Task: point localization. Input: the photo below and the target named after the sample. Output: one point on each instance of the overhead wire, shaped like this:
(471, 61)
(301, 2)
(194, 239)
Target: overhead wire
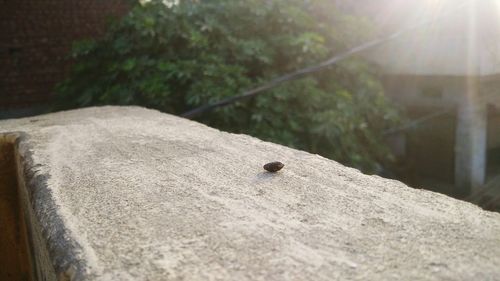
(325, 64)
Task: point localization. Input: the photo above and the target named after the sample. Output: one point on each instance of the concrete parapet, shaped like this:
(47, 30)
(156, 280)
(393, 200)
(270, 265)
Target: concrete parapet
(126, 193)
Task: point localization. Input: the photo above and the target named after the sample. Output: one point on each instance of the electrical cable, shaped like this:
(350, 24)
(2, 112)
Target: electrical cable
(305, 71)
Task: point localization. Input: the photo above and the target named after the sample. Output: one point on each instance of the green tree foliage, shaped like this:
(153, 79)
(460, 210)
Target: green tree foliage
(200, 51)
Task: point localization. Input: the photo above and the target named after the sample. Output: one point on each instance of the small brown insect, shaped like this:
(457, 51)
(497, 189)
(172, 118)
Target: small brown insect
(273, 167)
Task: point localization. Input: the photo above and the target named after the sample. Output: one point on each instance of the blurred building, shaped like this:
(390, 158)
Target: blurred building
(446, 71)
(35, 40)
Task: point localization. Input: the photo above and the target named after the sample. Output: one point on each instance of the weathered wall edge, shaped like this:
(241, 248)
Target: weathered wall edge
(53, 249)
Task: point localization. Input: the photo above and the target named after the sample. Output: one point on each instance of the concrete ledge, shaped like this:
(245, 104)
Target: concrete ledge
(125, 193)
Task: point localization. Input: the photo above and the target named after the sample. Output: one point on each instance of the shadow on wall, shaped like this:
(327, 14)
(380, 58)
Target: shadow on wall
(15, 261)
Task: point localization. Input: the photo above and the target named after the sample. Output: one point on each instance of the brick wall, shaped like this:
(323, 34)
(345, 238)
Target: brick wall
(35, 38)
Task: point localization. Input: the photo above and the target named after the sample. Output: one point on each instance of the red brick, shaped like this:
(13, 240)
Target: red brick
(36, 36)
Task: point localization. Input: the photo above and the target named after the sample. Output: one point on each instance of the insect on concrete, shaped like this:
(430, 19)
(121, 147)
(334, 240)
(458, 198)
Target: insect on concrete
(273, 167)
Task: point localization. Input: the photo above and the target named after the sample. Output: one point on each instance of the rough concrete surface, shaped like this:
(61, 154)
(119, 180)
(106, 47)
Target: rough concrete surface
(134, 194)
